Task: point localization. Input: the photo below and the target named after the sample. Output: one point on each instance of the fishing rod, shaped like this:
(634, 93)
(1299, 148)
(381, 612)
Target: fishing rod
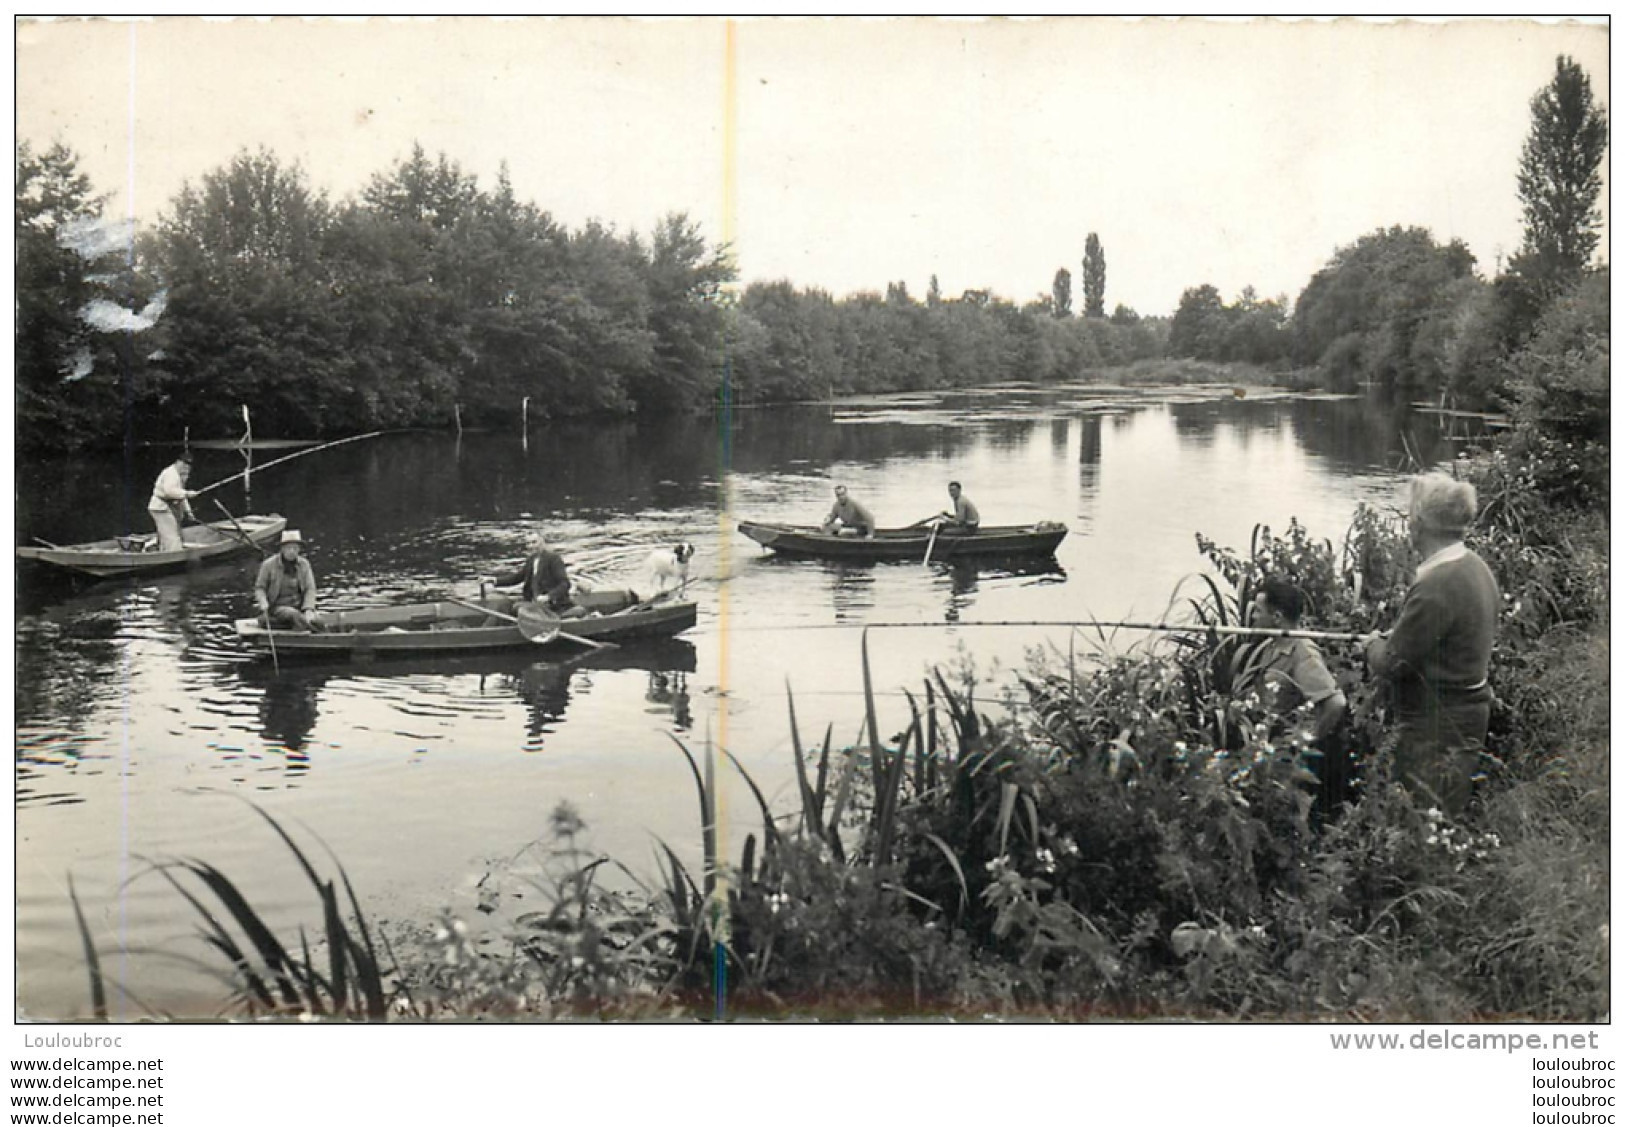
(289, 458)
(1170, 627)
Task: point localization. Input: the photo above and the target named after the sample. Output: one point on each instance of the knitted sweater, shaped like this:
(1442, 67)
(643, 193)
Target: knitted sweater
(1445, 629)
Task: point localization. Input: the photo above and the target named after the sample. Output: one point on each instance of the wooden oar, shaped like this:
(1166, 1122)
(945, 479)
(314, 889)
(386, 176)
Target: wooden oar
(536, 625)
(245, 537)
(270, 630)
(931, 543)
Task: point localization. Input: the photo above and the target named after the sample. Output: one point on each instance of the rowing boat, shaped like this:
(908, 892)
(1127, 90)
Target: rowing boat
(137, 553)
(653, 655)
(1039, 539)
(459, 626)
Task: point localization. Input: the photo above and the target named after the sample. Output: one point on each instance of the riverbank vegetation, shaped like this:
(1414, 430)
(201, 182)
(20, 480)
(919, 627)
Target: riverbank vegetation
(1112, 835)
(430, 300)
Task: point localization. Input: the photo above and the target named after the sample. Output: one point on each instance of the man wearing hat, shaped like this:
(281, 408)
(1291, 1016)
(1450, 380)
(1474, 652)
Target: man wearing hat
(1437, 656)
(172, 502)
(285, 589)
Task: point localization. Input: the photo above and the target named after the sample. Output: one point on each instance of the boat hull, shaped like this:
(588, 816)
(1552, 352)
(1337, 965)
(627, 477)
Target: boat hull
(124, 555)
(445, 627)
(908, 543)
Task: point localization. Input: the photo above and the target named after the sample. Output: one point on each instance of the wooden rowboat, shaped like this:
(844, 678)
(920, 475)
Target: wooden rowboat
(138, 554)
(1039, 539)
(456, 626)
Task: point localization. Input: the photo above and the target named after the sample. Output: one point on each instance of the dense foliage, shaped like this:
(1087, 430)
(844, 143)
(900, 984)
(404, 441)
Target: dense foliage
(429, 296)
(1249, 331)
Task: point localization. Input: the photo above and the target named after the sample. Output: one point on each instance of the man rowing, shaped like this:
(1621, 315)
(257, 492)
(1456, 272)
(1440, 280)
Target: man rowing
(964, 517)
(848, 518)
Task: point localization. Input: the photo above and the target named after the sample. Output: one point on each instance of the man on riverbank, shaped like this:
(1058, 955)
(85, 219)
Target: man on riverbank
(171, 502)
(964, 517)
(848, 518)
(285, 588)
(1437, 657)
(1287, 673)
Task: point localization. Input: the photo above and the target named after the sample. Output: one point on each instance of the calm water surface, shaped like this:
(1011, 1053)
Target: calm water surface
(142, 745)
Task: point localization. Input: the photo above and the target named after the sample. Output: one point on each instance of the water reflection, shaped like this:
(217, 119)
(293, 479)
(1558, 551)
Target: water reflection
(289, 698)
(287, 714)
(966, 578)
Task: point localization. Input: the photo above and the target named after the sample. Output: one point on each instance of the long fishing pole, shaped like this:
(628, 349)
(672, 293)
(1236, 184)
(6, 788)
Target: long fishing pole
(1081, 624)
(291, 457)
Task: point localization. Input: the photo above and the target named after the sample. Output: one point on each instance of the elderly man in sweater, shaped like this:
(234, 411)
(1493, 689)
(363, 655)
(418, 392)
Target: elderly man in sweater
(1437, 656)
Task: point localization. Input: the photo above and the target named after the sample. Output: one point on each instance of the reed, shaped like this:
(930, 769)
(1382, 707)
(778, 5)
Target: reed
(273, 979)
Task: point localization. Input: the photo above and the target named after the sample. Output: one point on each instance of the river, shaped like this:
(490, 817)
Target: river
(142, 727)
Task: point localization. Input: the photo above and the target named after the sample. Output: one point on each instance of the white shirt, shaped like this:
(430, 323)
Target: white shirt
(168, 490)
(1444, 555)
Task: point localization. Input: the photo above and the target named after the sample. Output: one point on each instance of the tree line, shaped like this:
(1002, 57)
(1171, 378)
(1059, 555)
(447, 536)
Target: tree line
(1397, 310)
(427, 299)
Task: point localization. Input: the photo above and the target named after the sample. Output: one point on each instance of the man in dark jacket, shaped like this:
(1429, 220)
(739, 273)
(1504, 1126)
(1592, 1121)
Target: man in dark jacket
(1437, 656)
(543, 576)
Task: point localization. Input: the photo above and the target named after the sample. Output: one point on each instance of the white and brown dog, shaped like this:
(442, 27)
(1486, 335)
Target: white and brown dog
(668, 567)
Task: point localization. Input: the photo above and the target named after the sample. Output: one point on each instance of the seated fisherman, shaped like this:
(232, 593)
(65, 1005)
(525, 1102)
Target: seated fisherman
(1286, 673)
(544, 578)
(285, 588)
(848, 518)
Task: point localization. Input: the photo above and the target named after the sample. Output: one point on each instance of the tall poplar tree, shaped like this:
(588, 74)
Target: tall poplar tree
(1559, 180)
(1094, 277)
(1063, 292)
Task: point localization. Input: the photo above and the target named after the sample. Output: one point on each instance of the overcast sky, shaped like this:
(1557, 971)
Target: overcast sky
(866, 151)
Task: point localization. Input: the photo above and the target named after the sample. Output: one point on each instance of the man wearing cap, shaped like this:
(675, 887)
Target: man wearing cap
(285, 589)
(172, 502)
(848, 518)
(1437, 656)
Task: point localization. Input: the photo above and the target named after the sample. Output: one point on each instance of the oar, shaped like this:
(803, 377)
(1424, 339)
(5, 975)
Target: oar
(536, 626)
(270, 630)
(291, 457)
(931, 543)
(245, 537)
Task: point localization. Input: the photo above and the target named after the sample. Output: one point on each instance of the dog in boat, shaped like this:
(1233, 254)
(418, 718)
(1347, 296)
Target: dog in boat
(667, 568)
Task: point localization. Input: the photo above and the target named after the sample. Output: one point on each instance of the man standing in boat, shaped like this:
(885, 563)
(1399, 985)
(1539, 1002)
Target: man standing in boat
(544, 578)
(964, 517)
(172, 502)
(848, 518)
(285, 588)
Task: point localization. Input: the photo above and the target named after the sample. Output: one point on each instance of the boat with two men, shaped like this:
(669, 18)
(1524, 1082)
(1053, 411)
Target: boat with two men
(915, 542)
(456, 626)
